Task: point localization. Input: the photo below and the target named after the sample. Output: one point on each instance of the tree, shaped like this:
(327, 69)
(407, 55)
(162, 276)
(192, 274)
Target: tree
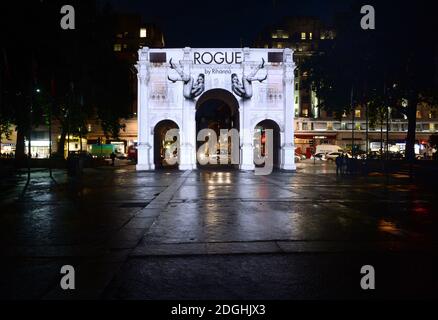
(75, 70)
(390, 67)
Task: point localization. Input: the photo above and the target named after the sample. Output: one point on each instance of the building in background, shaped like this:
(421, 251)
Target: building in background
(130, 34)
(308, 36)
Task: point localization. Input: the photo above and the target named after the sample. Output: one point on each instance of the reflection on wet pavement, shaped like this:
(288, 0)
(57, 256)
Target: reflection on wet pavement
(109, 215)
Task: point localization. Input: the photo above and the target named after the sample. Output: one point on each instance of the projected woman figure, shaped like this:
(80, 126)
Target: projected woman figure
(191, 88)
(244, 89)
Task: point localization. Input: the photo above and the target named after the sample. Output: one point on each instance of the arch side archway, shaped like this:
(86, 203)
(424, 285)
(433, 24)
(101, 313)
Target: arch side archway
(161, 146)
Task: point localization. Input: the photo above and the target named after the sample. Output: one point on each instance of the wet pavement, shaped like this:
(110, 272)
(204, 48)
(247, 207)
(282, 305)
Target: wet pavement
(217, 234)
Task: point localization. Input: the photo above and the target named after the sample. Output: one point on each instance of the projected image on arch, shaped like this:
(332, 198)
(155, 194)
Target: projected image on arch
(217, 110)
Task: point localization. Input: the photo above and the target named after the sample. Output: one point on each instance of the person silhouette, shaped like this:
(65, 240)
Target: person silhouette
(244, 89)
(191, 89)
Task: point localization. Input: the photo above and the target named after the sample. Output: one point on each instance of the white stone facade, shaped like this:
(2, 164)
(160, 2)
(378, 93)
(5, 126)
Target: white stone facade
(161, 99)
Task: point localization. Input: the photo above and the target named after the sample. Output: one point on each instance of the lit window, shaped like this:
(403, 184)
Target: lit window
(303, 36)
(329, 125)
(117, 47)
(89, 128)
(305, 112)
(322, 36)
(143, 33)
(279, 46)
(119, 35)
(125, 46)
(344, 115)
(418, 114)
(274, 36)
(310, 35)
(357, 113)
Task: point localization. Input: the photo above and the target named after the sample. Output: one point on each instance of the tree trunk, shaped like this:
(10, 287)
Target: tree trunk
(61, 144)
(412, 127)
(19, 147)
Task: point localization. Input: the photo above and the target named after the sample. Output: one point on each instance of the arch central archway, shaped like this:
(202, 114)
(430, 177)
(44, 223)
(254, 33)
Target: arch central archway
(217, 109)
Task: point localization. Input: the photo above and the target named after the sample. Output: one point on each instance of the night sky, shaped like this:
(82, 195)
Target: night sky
(223, 23)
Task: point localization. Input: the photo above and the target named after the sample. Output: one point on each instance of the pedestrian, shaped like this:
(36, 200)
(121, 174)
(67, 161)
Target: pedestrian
(338, 162)
(113, 158)
(344, 164)
(348, 164)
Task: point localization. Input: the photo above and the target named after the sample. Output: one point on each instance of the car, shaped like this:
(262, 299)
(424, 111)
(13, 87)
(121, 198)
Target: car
(396, 155)
(297, 158)
(132, 153)
(121, 155)
(373, 155)
(319, 156)
(327, 148)
(332, 156)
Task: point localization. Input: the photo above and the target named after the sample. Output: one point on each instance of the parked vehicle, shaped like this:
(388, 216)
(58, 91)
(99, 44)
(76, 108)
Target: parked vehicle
(121, 155)
(328, 148)
(319, 156)
(132, 153)
(300, 156)
(332, 156)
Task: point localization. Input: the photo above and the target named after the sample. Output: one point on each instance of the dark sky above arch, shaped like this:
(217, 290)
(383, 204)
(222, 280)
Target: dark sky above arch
(223, 23)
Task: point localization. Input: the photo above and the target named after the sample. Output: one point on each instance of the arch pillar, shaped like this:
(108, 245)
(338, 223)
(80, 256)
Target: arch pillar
(145, 157)
(287, 161)
(247, 136)
(188, 137)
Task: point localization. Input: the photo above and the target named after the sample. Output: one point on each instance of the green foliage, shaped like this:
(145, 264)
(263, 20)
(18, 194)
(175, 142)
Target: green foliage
(5, 129)
(76, 72)
(391, 69)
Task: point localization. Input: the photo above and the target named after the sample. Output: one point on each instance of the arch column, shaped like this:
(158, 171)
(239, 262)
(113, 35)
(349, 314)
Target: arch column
(188, 126)
(145, 158)
(288, 147)
(246, 132)
(247, 137)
